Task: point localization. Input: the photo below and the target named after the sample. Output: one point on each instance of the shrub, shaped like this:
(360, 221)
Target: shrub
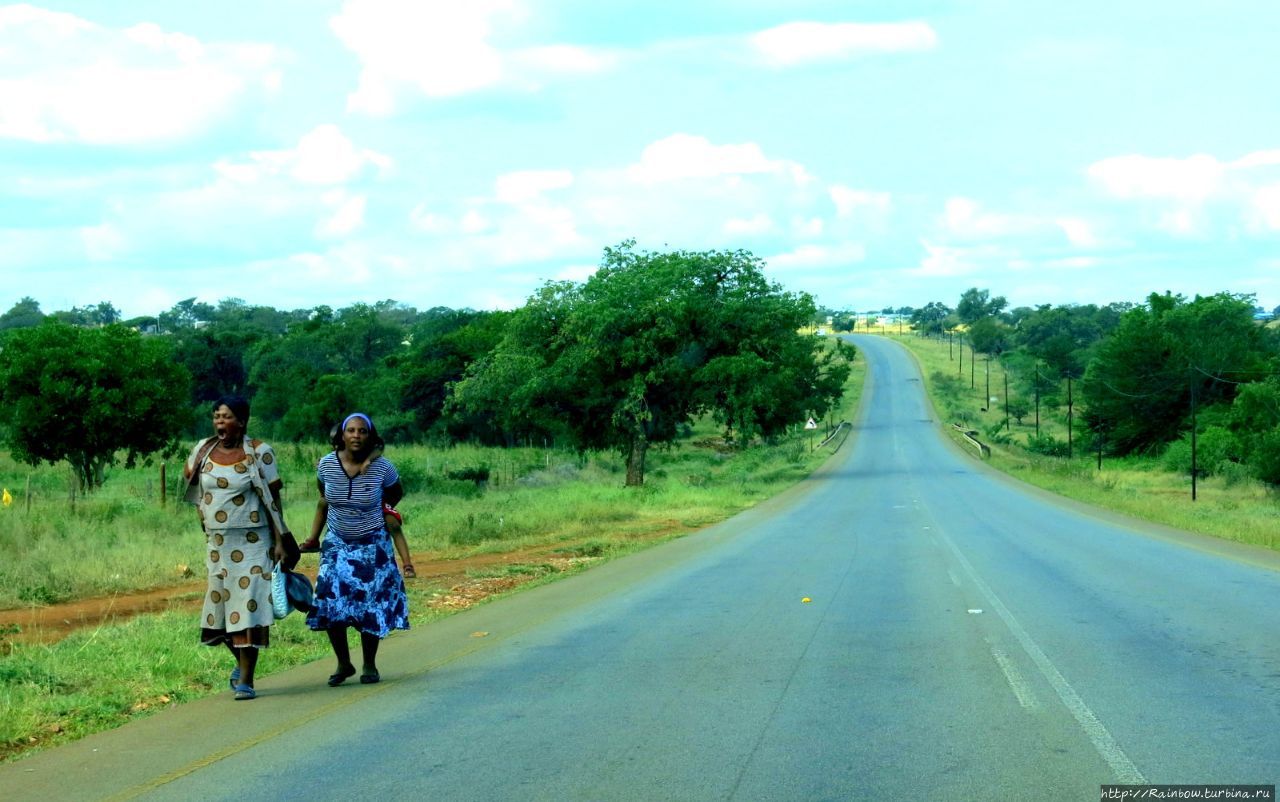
(1047, 444)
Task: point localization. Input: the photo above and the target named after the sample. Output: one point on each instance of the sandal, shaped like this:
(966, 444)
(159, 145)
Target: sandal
(245, 692)
(369, 678)
(340, 677)
(235, 677)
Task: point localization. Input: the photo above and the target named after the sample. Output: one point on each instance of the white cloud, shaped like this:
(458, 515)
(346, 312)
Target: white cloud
(681, 156)
(1079, 232)
(438, 48)
(804, 42)
(818, 256)
(760, 223)
(323, 156)
(849, 202)
(964, 217)
(1192, 179)
(578, 273)
(1265, 204)
(563, 59)
(67, 79)
(347, 217)
(944, 261)
(526, 185)
(102, 242)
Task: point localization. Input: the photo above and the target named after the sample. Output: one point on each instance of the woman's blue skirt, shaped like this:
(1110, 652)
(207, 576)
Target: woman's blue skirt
(359, 585)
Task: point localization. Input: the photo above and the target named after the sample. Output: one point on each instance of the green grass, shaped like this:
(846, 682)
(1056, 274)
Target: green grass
(1242, 510)
(120, 540)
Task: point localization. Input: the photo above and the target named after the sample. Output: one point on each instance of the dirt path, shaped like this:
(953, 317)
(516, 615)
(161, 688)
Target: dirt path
(51, 623)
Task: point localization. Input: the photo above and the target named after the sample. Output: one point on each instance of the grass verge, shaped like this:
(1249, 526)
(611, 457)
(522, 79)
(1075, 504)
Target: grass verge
(1231, 508)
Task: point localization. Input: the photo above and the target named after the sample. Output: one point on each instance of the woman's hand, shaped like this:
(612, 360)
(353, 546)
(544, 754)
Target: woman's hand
(277, 551)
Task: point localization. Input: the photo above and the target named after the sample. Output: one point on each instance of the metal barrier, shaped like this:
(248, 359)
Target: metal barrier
(971, 437)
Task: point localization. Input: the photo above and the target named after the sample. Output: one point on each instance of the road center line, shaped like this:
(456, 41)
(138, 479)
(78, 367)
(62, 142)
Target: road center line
(1026, 697)
(1106, 745)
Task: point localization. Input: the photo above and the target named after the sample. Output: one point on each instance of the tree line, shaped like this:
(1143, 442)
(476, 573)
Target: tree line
(1138, 378)
(625, 360)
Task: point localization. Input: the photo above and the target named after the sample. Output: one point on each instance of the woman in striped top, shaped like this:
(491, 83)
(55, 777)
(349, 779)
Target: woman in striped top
(358, 585)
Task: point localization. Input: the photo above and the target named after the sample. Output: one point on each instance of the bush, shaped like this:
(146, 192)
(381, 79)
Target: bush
(1047, 444)
(1265, 461)
(1215, 447)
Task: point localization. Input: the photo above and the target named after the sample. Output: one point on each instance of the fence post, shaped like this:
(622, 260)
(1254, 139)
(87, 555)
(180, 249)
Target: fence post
(164, 487)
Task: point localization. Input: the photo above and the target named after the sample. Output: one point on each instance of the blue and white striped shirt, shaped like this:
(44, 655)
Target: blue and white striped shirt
(355, 502)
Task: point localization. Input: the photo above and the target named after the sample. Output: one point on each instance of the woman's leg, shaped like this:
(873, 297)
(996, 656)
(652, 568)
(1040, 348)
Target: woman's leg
(338, 640)
(248, 659)
(369, 651)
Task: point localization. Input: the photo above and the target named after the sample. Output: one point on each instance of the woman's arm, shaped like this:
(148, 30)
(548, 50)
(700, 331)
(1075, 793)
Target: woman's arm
(392, 494)
(317, 521)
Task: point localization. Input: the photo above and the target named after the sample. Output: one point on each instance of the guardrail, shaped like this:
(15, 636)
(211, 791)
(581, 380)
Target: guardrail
(844, 426)
(971, 437)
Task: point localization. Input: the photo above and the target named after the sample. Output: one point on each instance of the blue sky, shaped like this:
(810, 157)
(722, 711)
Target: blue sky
(304, 152)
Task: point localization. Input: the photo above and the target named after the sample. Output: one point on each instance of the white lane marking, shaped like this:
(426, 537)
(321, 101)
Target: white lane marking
(1106, 746)
(1026, 697)
(955, 580)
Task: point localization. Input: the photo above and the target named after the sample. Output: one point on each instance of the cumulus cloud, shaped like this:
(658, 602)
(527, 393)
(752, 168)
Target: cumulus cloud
(1182, 193)
(1192, 179)
(804, 42)
(965, 217)
(759, 223)
(681, 156)
(438, 49)
(851, 202)
(323, 156)
(67, 79)
(1079, 232)
(818, 256)
(523, 186)
(348, 214)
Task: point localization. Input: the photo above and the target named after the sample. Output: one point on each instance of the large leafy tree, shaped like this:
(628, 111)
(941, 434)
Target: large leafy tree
(976, 304)
(323, 368)
(85, 395)
(442, 345)
(932, 318)
(22, 314)
(1168, 356)
(647, 343)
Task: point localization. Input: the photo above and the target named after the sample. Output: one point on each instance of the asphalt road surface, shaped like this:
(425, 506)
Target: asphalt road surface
(962, 639)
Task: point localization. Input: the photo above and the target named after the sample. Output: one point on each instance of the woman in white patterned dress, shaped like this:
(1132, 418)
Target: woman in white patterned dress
(236, 486)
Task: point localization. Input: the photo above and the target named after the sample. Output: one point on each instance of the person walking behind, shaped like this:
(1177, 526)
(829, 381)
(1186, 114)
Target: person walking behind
(235, 485)
(358, 585)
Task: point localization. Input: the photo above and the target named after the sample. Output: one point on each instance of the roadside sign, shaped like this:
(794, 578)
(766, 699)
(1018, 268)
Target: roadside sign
(811, 424)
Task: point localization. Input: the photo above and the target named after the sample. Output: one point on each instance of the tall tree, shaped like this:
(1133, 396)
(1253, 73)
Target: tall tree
(22, 314)
(1167, 356)
(976, 304)
(650, 341)
(84, 395)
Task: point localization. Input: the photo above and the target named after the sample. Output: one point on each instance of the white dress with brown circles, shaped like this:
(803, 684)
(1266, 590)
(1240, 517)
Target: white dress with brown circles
(237, 604)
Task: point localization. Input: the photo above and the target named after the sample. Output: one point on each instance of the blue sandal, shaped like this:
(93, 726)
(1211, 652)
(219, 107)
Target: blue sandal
(244, 692)
(235, 677)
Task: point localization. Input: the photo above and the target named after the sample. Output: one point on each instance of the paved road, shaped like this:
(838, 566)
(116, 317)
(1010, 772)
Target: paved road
(964, 640)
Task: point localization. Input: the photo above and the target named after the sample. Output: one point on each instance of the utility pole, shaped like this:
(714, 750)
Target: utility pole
(986, 400)
(1192, 382)
(1070, 416)
(1037, 402)
(973, 369)
(1006, 398)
